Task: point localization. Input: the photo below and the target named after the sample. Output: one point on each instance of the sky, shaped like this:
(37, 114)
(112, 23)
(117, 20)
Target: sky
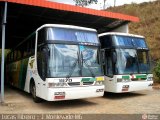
(109, 3)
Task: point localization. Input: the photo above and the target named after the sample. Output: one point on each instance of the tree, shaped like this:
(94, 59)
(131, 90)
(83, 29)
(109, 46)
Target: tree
(83, 3)
(157, 69)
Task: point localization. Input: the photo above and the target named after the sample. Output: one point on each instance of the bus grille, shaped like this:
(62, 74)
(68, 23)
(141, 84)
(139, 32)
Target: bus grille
(87, 83)
(138, 79)
(74, 83)
(80, 84)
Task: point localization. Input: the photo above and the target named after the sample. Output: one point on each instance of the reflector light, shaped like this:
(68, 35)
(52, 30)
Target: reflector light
(125, 89)
(59, 97)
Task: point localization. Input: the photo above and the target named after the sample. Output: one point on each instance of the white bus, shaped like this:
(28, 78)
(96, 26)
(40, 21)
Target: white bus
(126, 62)
(57, 62)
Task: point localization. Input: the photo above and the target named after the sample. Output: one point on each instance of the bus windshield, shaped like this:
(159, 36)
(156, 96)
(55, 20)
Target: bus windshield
(132, 61)
(128, 41)
(72, 35)
(73, 60)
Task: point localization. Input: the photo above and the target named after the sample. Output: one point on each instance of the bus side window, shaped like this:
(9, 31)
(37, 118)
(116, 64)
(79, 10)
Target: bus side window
(8, 58)
(25, 49)
(41, 37)
(109, 66)
(42, 62)
(30, 45)
(12, 56)
(32, 42)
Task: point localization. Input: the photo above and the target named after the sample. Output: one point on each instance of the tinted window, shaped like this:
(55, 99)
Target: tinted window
(108, 67)
(41, 36)
(24, 49)
(123, 41)
(106, 41)
(129, 41)
(139, 42)
(63, 34)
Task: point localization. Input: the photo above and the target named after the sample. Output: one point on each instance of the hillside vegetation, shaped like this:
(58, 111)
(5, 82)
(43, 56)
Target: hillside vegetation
(149, 25)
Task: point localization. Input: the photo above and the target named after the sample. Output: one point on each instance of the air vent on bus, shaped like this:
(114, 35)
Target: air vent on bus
(88, 83)
(138, 79)
(74, 83)
(79, 84)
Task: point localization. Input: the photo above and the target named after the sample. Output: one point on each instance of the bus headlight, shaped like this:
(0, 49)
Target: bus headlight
(99, 82)
(59, 84)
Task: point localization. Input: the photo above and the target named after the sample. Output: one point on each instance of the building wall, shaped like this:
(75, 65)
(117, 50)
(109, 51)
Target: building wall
(123, 29)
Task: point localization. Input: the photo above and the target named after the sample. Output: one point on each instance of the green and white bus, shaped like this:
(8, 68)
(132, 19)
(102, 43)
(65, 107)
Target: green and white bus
(57, 62)
(126, 62)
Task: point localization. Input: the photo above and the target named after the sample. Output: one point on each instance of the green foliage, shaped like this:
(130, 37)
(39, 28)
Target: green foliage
(83, 3)
(157, 69)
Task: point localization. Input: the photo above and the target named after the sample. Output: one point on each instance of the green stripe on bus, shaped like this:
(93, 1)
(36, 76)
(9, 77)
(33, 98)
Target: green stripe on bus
(141, 76)
(125, 77)
(88, 79)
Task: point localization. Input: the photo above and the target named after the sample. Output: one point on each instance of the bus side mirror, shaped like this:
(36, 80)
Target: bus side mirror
(114, 57)
(46, 52)
(45, 57)
(103, 57)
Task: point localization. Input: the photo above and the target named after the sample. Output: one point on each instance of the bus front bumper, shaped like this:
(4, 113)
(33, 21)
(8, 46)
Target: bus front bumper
(59, 94)
(133, 86)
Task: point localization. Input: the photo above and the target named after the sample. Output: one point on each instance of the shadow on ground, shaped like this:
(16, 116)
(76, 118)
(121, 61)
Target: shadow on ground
(118, 96)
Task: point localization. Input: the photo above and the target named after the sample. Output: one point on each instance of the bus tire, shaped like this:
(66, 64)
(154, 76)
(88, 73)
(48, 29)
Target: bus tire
(33, 93)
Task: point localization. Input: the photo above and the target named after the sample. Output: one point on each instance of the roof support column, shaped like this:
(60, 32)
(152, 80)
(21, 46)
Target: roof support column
(3, 50)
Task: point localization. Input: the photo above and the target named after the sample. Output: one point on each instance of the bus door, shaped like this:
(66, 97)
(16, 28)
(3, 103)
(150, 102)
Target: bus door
(109, 63)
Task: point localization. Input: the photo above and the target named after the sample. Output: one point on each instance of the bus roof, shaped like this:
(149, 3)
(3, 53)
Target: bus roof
(66, 26)
(122, 34)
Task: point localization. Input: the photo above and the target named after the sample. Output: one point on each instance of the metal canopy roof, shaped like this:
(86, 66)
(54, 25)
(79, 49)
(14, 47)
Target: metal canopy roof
(24, 16)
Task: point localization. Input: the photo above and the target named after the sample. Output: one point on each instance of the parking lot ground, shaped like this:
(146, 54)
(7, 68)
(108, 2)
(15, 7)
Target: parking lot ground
(141, 102)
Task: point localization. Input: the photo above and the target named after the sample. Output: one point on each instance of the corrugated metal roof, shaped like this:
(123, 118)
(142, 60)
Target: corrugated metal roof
(65, 7)
(25, 16)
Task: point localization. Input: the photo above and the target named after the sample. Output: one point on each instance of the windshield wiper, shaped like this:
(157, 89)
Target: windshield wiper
(73, 67)
(87, 65)
(75, 63)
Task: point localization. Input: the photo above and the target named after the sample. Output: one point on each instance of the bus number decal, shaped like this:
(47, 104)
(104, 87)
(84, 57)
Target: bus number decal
(65, 80)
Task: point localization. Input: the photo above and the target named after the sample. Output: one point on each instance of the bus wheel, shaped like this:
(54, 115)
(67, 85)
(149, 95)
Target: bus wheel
(33, 92)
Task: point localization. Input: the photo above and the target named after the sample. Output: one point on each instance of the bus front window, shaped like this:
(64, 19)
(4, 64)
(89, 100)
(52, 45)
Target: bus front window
(90, 65)
(73, 60)
(126, 61)
(143, 59)
(61, 60)
(132, 61)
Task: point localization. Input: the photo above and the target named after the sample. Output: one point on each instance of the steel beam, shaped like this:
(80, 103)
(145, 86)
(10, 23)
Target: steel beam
(3, 51)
